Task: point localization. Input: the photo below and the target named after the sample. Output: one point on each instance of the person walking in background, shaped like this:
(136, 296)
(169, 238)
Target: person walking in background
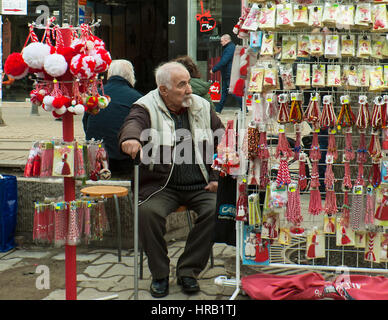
(225, 66)
(198, 86)
(107, 123)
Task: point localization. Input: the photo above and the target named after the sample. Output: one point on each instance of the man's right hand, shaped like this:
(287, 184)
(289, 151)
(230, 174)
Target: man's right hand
(131, 147)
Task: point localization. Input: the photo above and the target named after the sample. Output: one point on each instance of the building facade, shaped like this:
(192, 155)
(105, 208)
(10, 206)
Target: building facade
(146, 32)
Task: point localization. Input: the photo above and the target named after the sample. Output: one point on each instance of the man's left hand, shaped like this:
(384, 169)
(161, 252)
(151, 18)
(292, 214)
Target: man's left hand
(212, 186)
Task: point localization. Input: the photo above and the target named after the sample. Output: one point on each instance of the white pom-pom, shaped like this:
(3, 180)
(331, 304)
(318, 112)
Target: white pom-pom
(48, 108)
(34, 54)
(79, 109)
(102, 102)
(70, 109)
(61, 110)
(55, 65)
(48, 101)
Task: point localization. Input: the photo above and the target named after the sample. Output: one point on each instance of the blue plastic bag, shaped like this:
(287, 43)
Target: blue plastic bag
(8, 212)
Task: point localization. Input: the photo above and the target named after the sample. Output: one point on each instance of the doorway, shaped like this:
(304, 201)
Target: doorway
(135, 30)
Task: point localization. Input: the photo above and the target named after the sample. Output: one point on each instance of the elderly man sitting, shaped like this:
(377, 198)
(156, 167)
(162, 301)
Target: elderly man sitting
(171, 127)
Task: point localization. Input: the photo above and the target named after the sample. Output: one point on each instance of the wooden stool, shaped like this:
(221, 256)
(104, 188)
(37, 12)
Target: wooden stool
(109, 192)
(190, 223)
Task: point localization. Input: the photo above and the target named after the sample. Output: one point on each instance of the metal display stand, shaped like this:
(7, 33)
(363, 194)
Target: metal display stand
(343, 252)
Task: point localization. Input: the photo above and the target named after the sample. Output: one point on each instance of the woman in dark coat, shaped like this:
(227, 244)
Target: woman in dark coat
(199, 87)
(107, 123)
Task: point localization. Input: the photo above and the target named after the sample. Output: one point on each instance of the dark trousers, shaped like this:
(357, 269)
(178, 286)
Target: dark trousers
(224, 95)
(152, 228)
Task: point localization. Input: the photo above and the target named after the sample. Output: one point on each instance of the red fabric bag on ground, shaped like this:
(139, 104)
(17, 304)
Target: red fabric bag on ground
(362, 287)
(312, 286)
(307, 286)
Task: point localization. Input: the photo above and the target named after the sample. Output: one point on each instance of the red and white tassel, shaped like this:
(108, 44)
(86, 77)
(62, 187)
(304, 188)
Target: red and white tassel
(263, 146)
(298, 138)
(345, 211)
(315, 152)
(363, 118)
(252, 173)
(356, 209)
(349, 151)
(375, 174)
(370, 206)
(331, 200)
(315, 205)
(284, 113)
(332, 147)
(313, 113)
(374, 149)
(347, 181)
(329, 176)
(283, 176)
(283, 148)
(362, 151)
(302, 179)
(293, 210)
(314, 175)
(328, 117)
(271, 105)
(377, 115)
(264, 179)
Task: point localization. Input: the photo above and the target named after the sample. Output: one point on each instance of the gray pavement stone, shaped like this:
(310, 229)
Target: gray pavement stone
(92, 294)
(107, 258)
(119, 269)
(211, 273)
(23, 253)
(9, 263)
(229, 252)
(3, 254)
(56, 295)
(101, 284)
(174, 251)
(218, 248)
(96, 271)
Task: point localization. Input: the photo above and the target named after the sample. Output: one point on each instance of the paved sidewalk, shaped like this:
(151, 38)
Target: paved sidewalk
(106, 278)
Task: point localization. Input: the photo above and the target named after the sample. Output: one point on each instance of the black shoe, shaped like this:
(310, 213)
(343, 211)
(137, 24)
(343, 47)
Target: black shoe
(159, 288)
(189, 284)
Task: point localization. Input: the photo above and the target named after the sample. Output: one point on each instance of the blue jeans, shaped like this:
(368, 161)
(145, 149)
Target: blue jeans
(224, 95)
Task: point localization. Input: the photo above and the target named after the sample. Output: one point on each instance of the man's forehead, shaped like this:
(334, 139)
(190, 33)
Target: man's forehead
(178, 75)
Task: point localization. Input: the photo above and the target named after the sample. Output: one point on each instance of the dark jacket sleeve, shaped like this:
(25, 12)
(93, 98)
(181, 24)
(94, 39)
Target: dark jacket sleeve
(137, 120)
(216, 124)
(227, 55)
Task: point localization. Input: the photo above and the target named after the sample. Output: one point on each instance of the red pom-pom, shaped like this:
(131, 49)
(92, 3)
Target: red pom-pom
(56, 115)
(239, 88)
(36, 97)
(66, 101)
(91, 102)
(103, 60)
(15, 66)
(58, 102)
(82, 66)
(67, 52)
